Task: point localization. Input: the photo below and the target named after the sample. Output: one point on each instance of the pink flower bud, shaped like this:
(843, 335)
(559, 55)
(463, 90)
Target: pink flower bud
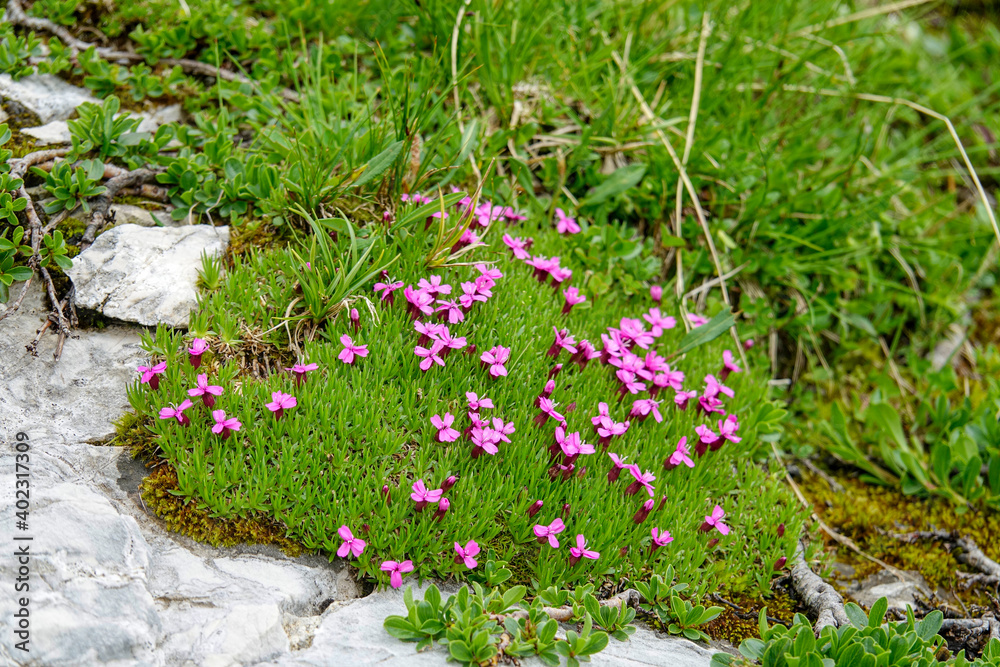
(712, 542)
(663, 502)
(535, 507)
(355, 319)
(565, 510)
(781, 530)
(442, 509)
(388, 496)
(748, 343)
(656, 292)
(643, 511)
(780, 563)
(623, 552)
(555, 370)
(448, 483)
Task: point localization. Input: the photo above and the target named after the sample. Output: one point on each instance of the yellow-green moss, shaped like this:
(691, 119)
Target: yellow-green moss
(734, 625)
(250, 234)
(869, 515)
(183, 516)
(132, 433)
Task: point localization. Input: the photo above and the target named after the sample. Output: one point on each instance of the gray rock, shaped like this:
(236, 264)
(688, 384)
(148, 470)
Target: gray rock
(130, 214)
(152, 121)
(351, 633)
(899, 594)
(46, 95)
(56, 132)
(74, 399)
(145, 274)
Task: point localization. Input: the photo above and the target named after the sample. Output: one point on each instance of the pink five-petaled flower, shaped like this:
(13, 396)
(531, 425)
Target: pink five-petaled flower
(419, 302)
(518, 246)
(656, 292)
(352, 545)
(300, 370)
(484, 440)
(548, 533)
(581, 551)
(466, 554)
(728, 365)
(630, 384)
(445, 432)
(706, 438)
(450, 343)
(566, 224)
(495, 358)
(207, 391)
(609, 428)
(548, 409)
(659, 323)
(351, 350)
(491, 272)
(602, 412)
(451, 311)
(661, 538)
(573, 297)
(681, 398)
(642, 480)
(430, 356)
(280, 401)
(177, 413)
(563, 341)
(198, 348)
(616, 469)
(503, 430)
(727, 430)
(224, 426)
(475, 403)
(710, 404)
(669, 378)
(471, 294)
(585, 352)
(422, 495)
(434, 286)
(387, 290)
(715, 521)
(151, 374)
(681, 455)
(396, 571)
(713, 387)
(696, 320)
(632, 330)
(644, 407)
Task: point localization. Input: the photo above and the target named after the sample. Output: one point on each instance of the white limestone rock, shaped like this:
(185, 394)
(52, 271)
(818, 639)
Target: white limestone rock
(46, 95)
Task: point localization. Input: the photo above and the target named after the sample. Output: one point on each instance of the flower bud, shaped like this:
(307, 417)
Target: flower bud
(448, 483)
(565, 510)
(780, 564)
(748, 343)
(355, 319)
(663, 503)
(643, 511)
(388, 496)
(443, 506)
(781, 530)
(656, 292)
(555, 370)
(535, 507)
(712, 542)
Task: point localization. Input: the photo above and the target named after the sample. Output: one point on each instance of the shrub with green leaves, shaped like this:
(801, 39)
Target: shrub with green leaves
(70, 186)
(869, 641)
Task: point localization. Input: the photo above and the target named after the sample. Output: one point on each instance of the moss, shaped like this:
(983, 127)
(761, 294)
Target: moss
(141, 202)
(182, 515)
(19, 116)
(871, 514)
(735, 625)
(132, 432)
(251, 234)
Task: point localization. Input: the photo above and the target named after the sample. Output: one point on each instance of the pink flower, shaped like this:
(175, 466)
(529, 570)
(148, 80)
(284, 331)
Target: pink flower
(581, 551)
(642, 408)
(566, 224)
(696, 320)
(629, 383)
(445, 432)
(442, 509)
(352, 545)
(198, 348)
(470, 295)
(387, 290)
(632, 363)
(710, 404)
(656, 292)
(681, 455)
(713, 387)
(585, 352)
(491, 272)
(224, 426)
(602, 412)
(299, 372)
(655, 363)
(495, 358)
(632, 330)
(706, 435)
(151, 374)
(433, 286)
(430, 356)
(419, 302)
(476, 403)
(609, 428)
(560, 274)
(512, 216)
(548, 409)
(396, 570)
(483, 285)
(452, 311)
(549, 532)
(503, 430)
(468, 238)
(728, 428)
(563, 341)
(642, 480)
(614, 346)
(450, 343)
(351, 350)
(466, 554)
(681, 398)
(422, 495)
(670, 378)
(484, 440)
(658, 322)
(573, 297)
(280, 401)
(177, 413)
(643, 512)
(661, 538)
(543, 266)
(487, 213)
(728, 365)
(617, 467)
(428, 332)
(572, 445)
(715, 521)
(517, 245)
(208, 392)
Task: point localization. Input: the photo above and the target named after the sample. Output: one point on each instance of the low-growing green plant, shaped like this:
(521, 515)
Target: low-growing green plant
(868, 641)
(15, 54)
(70, 186)
(210, 273)
(100, 128)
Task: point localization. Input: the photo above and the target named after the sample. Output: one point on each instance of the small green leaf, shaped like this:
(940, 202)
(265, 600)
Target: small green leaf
(379, 164)
(615, 184)
(707, 332)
